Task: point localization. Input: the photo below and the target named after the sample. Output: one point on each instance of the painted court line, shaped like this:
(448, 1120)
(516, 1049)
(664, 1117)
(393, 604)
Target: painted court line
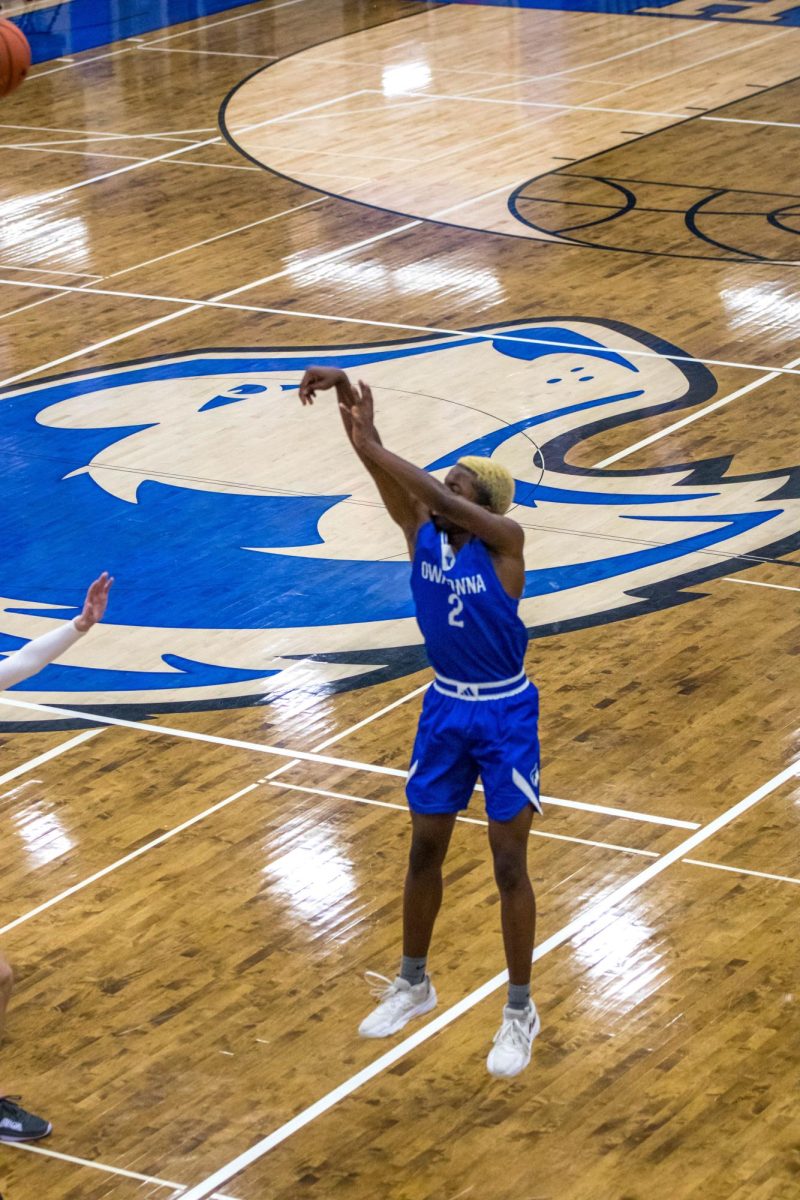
(599, 62)
(106, 133)
(684, 421)
(343, 733)
(207, 241)
(559, 837)
(49, 271)
(43, 197)
(315, 757)
(320, 260)
(221, 301)
(778, 587)
(403, 808)
(82, 62)
(629, 112)
(83, 153)
(699, 862)
(99, 1166)
(226, 21)
(745, 121)
(215, 53)
(83, 140)
(61, 748)
(13, 312)
(82, 737)
(591, 914)
(121, 862)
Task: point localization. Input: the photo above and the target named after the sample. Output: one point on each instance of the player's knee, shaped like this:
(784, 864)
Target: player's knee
(510, 871)
(425, 855)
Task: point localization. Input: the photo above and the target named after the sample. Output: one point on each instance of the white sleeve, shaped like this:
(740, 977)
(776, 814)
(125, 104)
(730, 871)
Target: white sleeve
(37, 654)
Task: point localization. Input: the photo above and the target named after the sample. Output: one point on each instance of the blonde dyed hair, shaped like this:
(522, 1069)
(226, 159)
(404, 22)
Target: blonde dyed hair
(496, 481)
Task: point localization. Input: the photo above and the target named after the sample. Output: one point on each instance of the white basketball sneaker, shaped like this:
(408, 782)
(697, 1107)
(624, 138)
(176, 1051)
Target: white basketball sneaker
(511, 1051)
(399, 1004)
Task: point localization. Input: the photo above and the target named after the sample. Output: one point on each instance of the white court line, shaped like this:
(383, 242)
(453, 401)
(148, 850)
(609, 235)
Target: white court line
(84, 153)
(49, 271)
(220, 301)
(191, 162)
(121, 862)
(98, 1166)
(673, 37)
(215, 53)
(628, 112)
(77, 63)
(342, 734)
(780, 587)
(118, 337)
(299, 112)
(684, 421)
(770, 37)
(314, 756)
(594, 912)
(403, 808)
(24, 307)
(53, 142)
(42, 197)
(226, 21)
(61, 748)
(175, 134)
(744, 121)
(629, 814)
(698, 862)
(207, 241)
(185, 824)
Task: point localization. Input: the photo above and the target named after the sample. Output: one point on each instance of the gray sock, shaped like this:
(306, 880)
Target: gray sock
(519, 995)
(412, 969)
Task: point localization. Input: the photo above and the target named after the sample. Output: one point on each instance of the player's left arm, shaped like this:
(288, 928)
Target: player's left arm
(502, 535)
(42, 650)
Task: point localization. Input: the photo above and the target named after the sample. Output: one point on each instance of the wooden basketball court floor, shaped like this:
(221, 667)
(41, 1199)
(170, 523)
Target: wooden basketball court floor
(203, 845)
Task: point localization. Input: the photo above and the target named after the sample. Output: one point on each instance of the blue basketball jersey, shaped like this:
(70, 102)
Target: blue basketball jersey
(469, 622)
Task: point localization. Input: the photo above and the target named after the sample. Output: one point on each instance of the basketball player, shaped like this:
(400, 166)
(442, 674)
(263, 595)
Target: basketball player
(17, 1125)
(479, 717)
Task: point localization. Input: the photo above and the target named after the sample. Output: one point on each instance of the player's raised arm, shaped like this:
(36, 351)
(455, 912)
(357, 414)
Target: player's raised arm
(42, 650)
(401, 504)
(500, 533)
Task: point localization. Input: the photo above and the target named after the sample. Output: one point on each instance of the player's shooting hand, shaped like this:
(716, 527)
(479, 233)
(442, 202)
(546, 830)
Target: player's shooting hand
(94, 606)
(318, 379)
(361, 413)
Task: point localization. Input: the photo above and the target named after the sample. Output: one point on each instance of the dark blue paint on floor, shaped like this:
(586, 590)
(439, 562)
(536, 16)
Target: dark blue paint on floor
(752, 12)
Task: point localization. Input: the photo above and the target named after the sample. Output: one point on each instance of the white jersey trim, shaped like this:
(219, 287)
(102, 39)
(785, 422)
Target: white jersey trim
(460, 690)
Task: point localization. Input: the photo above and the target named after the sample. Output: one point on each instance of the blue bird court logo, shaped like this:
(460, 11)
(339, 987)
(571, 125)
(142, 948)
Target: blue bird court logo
(252, 555)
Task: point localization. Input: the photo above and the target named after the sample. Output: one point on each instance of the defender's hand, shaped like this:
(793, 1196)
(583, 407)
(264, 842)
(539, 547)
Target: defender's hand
(94, 606)
(318, 379)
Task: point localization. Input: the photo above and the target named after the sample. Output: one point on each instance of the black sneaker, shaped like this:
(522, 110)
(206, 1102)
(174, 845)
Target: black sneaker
(16, 1125)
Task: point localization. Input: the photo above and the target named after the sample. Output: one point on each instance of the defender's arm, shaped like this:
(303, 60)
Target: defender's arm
(42, 650)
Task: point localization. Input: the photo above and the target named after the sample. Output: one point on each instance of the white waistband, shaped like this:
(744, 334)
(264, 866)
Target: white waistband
(497, 689)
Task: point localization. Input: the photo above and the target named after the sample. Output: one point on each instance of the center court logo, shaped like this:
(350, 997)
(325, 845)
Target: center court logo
(252, 556)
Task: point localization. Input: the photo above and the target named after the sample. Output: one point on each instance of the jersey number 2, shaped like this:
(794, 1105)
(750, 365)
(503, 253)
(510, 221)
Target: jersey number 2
(456, 609)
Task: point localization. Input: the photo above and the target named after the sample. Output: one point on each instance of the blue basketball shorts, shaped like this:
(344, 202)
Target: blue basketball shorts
(458, 740)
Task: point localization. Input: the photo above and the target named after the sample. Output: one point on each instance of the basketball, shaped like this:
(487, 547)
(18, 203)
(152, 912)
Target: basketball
(15, 57)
